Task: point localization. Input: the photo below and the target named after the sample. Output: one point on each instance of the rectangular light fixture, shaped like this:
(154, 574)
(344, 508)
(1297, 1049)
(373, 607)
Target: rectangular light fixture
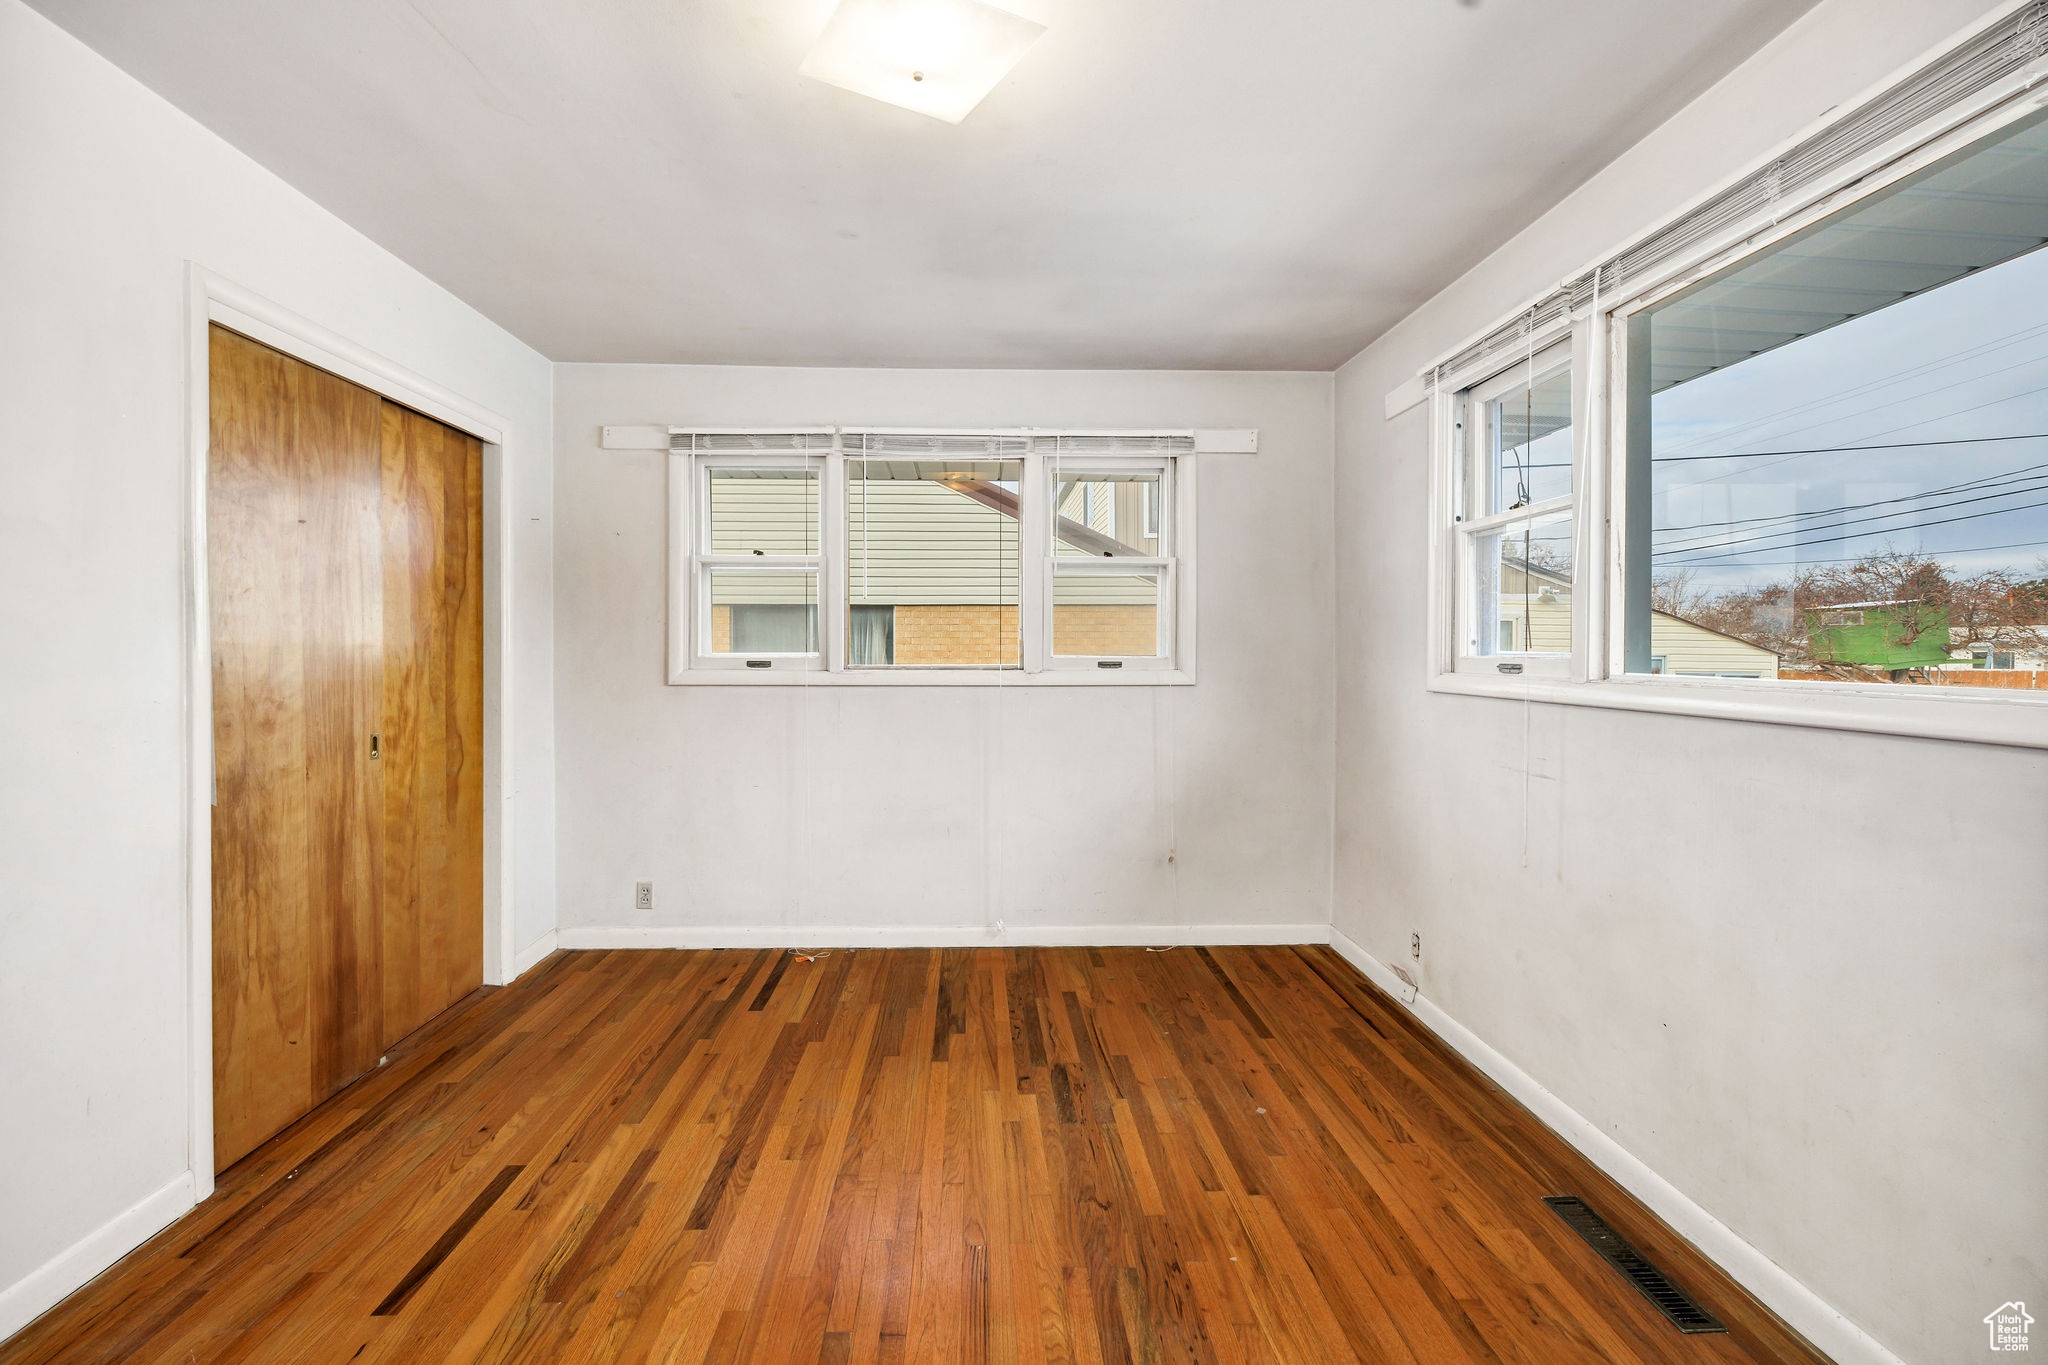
(937, 57)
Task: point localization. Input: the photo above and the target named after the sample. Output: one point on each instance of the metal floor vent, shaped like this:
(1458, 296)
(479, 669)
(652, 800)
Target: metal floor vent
(1673, 1302)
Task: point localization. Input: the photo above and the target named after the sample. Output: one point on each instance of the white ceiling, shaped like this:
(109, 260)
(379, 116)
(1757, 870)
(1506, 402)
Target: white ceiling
(1160, 183)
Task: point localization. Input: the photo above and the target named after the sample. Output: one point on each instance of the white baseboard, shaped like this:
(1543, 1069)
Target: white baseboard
(532, 955)
(43, 1288)
(1808, 1314)
(935, 936)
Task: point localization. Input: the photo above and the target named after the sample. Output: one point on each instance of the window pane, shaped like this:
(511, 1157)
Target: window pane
(1528, 443)
(763, 613)
(1847, 449)
(935, 546)
(1104, 514)
(1115, 614)
(764, 511)
(1524, 590)
(870, 635)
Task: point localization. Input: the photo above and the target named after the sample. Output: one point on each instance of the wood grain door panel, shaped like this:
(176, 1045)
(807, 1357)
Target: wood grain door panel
(292, 542)
(345, 596)
(433, 711)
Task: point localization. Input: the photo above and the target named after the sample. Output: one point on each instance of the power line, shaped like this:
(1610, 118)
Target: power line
(1931, 554)
(1859, 535)
(2023, 474)
(1838, 450)
(1710, 543)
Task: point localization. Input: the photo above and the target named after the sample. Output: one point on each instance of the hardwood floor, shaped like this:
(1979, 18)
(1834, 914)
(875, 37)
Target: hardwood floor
(1063, 1155)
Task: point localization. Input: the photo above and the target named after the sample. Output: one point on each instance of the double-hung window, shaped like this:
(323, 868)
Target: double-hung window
(1514, 520)
(759, 564)
(883, 556)
(1110, 576)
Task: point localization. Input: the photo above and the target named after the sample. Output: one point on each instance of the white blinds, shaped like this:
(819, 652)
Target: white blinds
(874, 443)
(1999, 54)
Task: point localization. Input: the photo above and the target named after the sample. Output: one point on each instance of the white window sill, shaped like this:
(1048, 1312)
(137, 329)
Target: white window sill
(1922, 712)
(935, 677)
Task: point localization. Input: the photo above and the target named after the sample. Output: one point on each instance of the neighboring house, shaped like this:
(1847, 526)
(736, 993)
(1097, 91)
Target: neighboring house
(1536, 616)
(1891, 635)
(932, 565)
(2027, 654)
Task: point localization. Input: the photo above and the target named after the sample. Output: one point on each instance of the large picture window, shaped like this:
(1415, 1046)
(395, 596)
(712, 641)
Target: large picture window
(841, 555)
(1846, 444)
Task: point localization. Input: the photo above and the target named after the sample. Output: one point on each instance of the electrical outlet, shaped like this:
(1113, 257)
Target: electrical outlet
(1415, 946)
(643, 895)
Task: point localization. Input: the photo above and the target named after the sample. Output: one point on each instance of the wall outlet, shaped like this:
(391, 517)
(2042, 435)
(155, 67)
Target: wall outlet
(643, 895)
(1415, 946)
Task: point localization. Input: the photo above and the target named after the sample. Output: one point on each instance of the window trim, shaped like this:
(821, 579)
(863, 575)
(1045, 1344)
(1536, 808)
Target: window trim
(1599, 341)
(688, 511)
(703, 564)
(1163, 564)
(1463, 433)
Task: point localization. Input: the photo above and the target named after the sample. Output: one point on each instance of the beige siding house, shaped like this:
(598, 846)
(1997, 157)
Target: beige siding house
(1536, 617)
(932, 565)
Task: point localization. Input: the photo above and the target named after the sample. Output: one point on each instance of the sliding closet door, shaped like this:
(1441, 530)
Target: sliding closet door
(294, 541)
(433, 703)
(345, 568)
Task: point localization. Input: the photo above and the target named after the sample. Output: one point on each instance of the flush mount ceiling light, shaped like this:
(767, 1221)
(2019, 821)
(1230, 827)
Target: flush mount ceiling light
(938, 57)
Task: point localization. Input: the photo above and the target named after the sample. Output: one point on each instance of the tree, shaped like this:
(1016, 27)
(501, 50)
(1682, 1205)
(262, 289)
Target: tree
(1894, 606)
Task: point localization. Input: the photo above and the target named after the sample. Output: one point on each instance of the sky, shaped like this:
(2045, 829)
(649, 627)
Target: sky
(1960, 363)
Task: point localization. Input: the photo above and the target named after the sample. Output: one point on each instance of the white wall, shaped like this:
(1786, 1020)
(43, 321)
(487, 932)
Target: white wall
(105, 193)
(1799, 973)
(937, 811)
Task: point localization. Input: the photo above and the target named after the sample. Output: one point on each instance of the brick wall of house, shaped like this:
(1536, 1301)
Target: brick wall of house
(956, 634)
(1105, 628)
(986, 634)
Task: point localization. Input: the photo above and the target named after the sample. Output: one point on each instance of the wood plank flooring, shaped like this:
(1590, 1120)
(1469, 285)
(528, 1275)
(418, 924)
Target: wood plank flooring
(1093, 1156)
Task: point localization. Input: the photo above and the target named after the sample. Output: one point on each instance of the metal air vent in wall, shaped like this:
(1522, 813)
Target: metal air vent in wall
(1674, 1303)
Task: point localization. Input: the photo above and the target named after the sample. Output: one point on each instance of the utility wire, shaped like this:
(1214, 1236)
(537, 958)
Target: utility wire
(2021, 475)
(1726, 542)
(1835, 450)
(1860, 535)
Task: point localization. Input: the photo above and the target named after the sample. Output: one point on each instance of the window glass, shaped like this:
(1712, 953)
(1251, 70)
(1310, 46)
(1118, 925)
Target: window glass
(1106, 614)
(763, 511)
(1528, 443)
(1525, 587)
(1847, 442)
(932, 563)
(759, 612)
(1107, 514)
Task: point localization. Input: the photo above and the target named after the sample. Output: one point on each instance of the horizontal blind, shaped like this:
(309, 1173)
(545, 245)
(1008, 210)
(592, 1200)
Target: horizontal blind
(1795, 177)
(749, 442)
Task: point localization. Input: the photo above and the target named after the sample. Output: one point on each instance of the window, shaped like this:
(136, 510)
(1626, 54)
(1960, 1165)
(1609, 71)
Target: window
(1515, 519)
(875, 556)
(1846, 445)
(936, 546)
(1784, 458)
(1109, 573)
(759, 573)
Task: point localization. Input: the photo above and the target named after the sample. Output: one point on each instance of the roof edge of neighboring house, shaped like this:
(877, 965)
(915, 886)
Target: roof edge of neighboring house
(1559, 580)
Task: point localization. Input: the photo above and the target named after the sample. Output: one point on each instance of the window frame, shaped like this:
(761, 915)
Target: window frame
(1162, 565)
(690, 663)
(1599, 339)
(1468, 494)
(704, 564)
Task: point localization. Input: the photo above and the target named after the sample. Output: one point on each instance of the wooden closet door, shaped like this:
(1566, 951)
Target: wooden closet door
(294, 502)
(432, 764)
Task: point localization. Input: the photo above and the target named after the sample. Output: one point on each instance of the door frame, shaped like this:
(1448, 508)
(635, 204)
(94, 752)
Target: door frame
(211, 299)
